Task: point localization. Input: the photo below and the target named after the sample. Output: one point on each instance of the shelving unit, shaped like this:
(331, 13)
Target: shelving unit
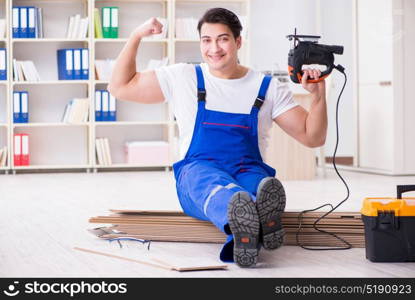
(4, 88)
(56, 145)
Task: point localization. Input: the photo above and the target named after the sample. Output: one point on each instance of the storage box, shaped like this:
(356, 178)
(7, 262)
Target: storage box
(390, 227)
(147, 153)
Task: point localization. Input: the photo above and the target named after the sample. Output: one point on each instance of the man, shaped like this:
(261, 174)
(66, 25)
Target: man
(224, 112)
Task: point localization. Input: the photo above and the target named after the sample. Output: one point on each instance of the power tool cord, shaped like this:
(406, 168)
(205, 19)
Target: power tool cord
(300, 216)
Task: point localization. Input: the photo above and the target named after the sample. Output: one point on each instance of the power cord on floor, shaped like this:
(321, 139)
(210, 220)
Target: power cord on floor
(300, 216)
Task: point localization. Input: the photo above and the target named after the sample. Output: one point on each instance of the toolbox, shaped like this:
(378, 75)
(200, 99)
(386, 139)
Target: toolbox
(390, 227)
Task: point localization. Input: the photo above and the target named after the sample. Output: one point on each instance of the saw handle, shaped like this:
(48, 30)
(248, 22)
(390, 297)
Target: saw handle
(323, 76)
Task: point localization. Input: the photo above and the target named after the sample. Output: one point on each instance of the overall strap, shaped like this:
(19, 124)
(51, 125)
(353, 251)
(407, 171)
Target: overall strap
(262, 91)
(201, 92)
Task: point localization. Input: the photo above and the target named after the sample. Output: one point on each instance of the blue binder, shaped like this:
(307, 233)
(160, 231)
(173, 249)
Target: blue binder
(105, 101)
(65, 64)
(21, 107)
(112, 108)
(85, 63)
(16, 22)
(24, 107)
(31, 24)
(16, 107)
(3, 64)
(24, 18)
(98, 105)
(77, 64)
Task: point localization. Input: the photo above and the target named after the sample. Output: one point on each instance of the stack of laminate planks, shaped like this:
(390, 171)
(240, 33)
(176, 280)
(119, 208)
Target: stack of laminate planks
(177, 227)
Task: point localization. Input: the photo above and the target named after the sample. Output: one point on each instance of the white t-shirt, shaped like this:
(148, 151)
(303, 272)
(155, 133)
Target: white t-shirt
(179, 85)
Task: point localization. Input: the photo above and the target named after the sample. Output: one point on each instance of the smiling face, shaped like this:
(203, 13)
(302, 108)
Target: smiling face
(218, 46)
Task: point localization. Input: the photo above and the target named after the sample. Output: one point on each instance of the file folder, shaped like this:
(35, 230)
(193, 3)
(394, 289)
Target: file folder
(105, 99)
(3, 64)
(65, 64)
(16, 108)
(17, 150)
(31, 27)
(114, 23)
(25, 150)
(85, 64)
(23, 22)
(24, 109)
(16, 22)
(106, 22)
(112, 108)
(76, 64)
(98, 106)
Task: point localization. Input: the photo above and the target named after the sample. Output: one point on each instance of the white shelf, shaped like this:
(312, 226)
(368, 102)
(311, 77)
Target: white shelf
(45, 167)
(101, 81)
(50, 82)
(4, 125)
(124, 40)
(209, 1)
(125, 165)
(122, 123)
(48, 40)
(48, 125)
(187, 40)
(135, 1)
(54, 1)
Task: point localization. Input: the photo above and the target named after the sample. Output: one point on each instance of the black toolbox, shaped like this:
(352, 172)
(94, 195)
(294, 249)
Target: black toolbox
(390, 227)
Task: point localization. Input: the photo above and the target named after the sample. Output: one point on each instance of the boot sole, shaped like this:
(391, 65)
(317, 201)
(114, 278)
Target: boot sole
(244, 223)
(270, 203)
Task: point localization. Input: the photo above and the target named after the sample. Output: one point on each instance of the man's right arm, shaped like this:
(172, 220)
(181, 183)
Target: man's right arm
(128, 84)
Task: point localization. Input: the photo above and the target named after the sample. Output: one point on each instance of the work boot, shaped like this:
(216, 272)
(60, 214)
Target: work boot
(270, 204)
(244, 224)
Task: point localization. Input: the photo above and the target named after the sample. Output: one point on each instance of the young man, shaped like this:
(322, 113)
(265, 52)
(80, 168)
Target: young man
(224, 112)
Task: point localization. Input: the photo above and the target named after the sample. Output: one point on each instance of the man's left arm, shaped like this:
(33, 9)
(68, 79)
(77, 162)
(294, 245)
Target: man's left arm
(309, 128)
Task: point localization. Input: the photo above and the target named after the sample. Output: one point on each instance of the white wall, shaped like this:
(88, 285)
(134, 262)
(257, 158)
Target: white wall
(273, 20)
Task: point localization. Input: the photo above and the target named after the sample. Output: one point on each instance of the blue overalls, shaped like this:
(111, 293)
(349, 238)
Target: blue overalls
(223, 158)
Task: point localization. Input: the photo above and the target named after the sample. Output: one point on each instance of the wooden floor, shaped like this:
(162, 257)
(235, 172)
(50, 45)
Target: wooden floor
(45, 215)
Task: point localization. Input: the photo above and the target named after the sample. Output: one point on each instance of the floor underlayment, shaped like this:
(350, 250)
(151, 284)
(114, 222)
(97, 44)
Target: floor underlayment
(45, 215)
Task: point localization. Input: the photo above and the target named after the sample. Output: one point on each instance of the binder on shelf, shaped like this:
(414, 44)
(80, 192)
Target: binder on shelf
(31, 25)
(16, 108)
(21, 107)
(85, 64)
(23, 22)
(76, 64)
(38, 23)
(3, 64)
(16, 22)
(106, 22)
(3, 28)
(97, 24)
(25, 71)
(112, 108)
(3, 156)
(24, 102)
(17, 150)
(98, 106)
(76, 111)
(65, 64)
(107, 152)
(25, 150)
(103, 152)
(114, 23)
(105, 105)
